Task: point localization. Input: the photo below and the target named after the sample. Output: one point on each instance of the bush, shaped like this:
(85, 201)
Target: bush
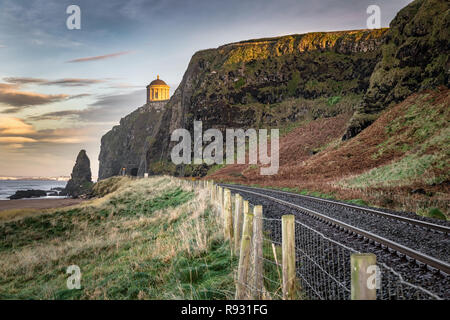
(436, 213)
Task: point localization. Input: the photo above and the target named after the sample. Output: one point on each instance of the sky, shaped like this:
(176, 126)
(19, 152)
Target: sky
(62, 89)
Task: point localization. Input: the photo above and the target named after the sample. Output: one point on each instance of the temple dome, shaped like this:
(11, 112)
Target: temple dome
(157, 90)
(158, 82)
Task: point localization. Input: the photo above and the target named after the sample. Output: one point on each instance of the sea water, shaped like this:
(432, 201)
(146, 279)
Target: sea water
(9, 187)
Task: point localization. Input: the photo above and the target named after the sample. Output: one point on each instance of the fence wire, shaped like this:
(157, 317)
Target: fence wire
(322, 267)
(270, 262)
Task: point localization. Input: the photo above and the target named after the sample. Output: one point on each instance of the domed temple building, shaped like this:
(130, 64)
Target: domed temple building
(157, 90)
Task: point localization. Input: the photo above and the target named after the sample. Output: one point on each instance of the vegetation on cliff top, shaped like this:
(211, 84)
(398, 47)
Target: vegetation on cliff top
(152, 238)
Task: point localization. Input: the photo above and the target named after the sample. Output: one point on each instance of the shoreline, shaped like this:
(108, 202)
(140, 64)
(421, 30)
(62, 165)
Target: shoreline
(36, 204)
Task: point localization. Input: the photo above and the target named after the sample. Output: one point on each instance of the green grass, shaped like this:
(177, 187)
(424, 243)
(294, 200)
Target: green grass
(238, 84)
(149, 239)
(293, 83)
(436, 213)
(419, 137)
(334, 100)
(400, 173)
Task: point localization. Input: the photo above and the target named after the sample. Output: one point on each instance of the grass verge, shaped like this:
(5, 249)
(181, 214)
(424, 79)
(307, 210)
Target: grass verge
(151, 238)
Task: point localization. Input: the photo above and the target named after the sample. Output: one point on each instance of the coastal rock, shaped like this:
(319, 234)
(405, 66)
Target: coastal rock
(80, 182)
(22, 194)
(249, 84)
(414, 58)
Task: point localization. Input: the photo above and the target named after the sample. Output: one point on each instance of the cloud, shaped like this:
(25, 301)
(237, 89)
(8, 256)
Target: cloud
(23, 80)
(15, 140)
(8, 86)
(73, 82)
(64, 140)
(106, 109)
(14, 126)
(78, 96)
(24, 99)
(13, 146)
(106, 56)
(66, 82)
(11, 95)
(15, 132)
(57, 115)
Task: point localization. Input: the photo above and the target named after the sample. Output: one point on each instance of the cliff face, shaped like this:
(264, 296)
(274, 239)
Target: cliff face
(124, 145)
(239, 79)
(246, 84)
(415, 57)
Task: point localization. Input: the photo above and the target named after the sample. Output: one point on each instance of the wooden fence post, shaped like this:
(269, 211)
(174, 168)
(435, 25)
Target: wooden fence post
(219, 194)
(211, 189)
(228, 217)
(221, 200)
(361, 289)
(237, 222)
(257, 252)
(244, 256)
(288, 260)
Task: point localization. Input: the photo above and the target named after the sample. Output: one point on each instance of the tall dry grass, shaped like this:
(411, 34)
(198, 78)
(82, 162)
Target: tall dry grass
(112, 236)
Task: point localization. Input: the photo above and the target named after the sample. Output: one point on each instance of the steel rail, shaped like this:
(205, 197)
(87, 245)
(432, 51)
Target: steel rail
(414, 254)
(424, 224)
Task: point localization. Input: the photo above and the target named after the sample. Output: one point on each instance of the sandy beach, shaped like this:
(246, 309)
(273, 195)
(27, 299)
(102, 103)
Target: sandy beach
(37, 203)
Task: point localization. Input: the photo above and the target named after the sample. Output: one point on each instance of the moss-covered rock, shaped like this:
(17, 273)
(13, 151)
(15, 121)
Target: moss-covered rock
(415, 57)
(263, 82)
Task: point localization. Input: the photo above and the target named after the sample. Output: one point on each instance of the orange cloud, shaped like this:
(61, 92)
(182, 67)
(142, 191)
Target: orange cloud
(66, 140)
(15, 140)
(14, 126)
(10, 95)
(14, 146)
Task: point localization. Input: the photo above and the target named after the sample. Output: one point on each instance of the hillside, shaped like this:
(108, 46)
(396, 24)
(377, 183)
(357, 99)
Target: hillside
(152, 238)
(400, 161)
(415, 58)
(318, 88)
(264, 82)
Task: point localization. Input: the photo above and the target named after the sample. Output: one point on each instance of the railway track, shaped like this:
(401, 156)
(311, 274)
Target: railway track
(421, 223)
(400, 248)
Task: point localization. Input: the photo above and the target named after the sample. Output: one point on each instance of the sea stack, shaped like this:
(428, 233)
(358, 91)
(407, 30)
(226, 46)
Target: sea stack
(80, 182)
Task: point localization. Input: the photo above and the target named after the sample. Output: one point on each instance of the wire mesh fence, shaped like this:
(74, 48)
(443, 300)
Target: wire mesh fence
(323, 266)
(265, 272)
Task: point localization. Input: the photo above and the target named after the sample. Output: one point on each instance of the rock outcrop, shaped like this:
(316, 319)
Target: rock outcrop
(247, 84)
(415, 57)
(80, 182)
(22, 194)
(276, 81)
